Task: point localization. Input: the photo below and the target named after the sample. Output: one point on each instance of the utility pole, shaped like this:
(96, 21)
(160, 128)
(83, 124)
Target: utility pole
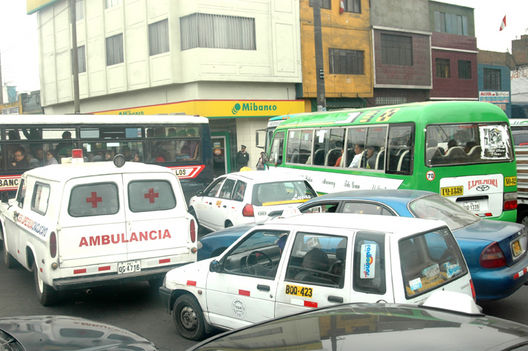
(319, 63)
(75, 59)
(1, 83)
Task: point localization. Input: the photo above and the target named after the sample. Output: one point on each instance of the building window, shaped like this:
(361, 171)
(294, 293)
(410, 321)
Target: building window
(353, 6)
(492, 79)
(325, 4)
(464, 69)
(159, 37)
(201, 30)
(112, 3)
(450, 23)
(114, 49)
(79, 10)
(346, 61)
(442, 68)
(81, 59)
(396, 50)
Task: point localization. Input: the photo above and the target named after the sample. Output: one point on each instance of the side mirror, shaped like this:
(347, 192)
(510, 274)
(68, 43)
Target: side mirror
(215, 266)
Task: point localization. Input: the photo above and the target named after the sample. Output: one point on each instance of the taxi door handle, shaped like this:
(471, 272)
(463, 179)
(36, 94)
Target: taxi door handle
(337, 299)
(263, 287)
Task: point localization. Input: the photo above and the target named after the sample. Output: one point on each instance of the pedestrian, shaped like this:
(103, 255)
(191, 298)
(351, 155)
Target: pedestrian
(242, 157)
(261, 163)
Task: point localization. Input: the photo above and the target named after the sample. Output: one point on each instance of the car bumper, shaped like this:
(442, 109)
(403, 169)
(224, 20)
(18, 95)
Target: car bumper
(91, 281)
(494, 284)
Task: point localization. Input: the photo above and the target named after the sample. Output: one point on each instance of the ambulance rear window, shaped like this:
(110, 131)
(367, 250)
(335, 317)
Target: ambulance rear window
(97, 199)
(150, 195)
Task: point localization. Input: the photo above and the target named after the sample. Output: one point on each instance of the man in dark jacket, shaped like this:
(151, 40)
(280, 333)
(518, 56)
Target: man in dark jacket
(242, 157)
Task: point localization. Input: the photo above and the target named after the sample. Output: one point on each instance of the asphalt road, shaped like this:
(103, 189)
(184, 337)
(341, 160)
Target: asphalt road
(136, 308)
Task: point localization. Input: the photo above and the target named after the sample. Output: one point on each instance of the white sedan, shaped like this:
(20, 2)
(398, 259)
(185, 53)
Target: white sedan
(313, 260)
(247, 197)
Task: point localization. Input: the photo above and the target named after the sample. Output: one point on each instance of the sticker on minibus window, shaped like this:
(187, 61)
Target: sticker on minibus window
(415, 284)
(495, 142)
(368, 259)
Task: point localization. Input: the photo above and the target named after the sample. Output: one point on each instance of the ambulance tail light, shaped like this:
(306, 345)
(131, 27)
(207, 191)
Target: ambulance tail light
(492, 257)
(510, 201)
(192, 230)
(53, 244)
(248, 211)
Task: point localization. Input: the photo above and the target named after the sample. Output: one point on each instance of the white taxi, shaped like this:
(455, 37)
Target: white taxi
(247, 197)
(81, 225)
(313, 260)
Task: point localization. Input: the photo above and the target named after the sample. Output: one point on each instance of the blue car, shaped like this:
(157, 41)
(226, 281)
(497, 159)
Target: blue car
(495, 251)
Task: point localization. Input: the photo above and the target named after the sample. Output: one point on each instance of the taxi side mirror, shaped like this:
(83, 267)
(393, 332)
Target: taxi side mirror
(215, 266)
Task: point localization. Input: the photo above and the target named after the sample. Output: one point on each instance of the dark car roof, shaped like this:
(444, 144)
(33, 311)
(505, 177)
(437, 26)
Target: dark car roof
(374, 327)
(402, 196)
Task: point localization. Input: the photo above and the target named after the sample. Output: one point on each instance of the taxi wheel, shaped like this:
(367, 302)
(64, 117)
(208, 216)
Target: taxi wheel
(9, 261)
(46, 294)
(188, 317)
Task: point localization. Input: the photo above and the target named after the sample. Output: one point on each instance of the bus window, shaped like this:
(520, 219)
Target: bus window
(450, 144)
(374, 157)
(401, 150)
(355, 146)
(328, 147)
(275, 156)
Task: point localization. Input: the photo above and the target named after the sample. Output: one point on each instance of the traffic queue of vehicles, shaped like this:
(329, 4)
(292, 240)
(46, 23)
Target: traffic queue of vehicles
(100, 230)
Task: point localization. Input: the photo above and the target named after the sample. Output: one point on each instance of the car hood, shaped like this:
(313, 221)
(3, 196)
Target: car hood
(196, 271)
(488, 230)
(70, 333)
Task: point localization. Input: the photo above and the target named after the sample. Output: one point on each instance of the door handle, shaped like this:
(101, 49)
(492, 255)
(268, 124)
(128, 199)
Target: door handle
(15, 216)
(263, 287)
(333, 298)
(224, 206)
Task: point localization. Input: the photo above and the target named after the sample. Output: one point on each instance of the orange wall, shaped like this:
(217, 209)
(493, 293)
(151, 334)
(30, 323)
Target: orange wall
(339, 31)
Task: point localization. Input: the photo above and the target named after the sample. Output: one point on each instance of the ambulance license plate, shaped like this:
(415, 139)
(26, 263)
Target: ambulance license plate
(128, 267)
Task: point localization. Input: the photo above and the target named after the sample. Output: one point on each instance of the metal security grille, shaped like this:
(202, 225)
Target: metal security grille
(346, 61)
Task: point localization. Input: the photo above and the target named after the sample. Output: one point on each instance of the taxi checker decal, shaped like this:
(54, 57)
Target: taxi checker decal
(107, 239)
(31, 224)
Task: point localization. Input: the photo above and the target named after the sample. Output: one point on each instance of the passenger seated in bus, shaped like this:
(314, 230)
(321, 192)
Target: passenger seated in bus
(37, 159)
(371, 157)
(358, 150)
(19, 159)
(135, 156)
(50, 158)
(64, 148)
(109, 155)
(469, 146)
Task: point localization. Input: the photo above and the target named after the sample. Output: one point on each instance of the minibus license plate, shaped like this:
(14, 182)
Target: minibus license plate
(128, 267)
(473, 206)
(452, 191)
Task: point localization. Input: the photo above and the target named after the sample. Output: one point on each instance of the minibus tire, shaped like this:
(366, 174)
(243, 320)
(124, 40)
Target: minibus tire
(46, 295)
(188, 317)
(9, 261)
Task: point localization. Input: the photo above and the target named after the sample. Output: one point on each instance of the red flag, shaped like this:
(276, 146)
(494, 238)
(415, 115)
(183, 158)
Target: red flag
(341, 6)
(503, 23)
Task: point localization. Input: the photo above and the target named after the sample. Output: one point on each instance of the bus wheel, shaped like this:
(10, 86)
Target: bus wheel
(9, 261)
(188, 317)
(46, 294)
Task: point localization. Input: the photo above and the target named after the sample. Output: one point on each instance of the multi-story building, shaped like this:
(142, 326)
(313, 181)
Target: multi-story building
(519, 77)
(454, 52)
(494, 78)
(236, 62)
(346, 50)
(402, 51)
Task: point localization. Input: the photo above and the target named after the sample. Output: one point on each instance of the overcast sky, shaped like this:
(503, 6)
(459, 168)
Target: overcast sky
(19, 43)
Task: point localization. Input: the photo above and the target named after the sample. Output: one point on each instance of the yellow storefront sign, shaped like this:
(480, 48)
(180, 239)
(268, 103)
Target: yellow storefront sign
(35, 5)
(217, 108)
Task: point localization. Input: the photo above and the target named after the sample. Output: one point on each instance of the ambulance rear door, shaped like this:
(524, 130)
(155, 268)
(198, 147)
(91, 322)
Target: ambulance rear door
(91, 228)
(158, 225)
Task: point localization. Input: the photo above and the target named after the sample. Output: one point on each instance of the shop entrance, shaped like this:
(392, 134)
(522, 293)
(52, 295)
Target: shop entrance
(221, 155)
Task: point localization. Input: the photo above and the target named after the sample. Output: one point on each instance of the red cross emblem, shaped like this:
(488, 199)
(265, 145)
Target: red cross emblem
(94, 199)
(151, 195)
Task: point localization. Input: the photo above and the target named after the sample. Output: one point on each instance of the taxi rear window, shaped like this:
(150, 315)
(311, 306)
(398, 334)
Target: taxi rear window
(95, 199)
(150, 195)
(282, 192)
(430, 260)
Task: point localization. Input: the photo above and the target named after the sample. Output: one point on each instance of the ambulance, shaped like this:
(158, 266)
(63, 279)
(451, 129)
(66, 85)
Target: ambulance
(81, 225)
(306, 261)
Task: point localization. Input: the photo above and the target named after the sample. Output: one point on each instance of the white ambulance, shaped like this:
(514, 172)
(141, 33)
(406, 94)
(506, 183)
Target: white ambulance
(82, 225)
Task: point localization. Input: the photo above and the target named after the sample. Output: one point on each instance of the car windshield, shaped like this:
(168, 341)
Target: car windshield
(276, 193)
(436, 207)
